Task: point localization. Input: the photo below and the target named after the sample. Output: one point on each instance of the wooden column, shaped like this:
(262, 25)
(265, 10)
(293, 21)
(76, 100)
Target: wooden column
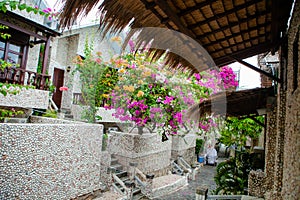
(46, 55)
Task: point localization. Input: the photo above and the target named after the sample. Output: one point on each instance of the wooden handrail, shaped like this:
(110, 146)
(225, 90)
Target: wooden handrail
(18, 76)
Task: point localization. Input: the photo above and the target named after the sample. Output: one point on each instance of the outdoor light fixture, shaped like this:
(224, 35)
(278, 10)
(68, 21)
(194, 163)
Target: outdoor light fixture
(68, 68)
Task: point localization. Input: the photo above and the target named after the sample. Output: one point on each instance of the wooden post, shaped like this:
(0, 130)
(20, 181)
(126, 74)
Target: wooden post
(46, 55)
(201, 193)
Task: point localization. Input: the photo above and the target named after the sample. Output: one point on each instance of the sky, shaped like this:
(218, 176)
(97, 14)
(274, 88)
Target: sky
(92, 16)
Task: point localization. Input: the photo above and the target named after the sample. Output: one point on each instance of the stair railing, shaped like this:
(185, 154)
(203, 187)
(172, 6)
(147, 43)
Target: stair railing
(141, 174)
(177, 168)
(184, 165)
(184, 162)
(122, 184)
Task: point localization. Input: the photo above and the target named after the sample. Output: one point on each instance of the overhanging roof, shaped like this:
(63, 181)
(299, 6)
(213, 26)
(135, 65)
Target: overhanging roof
(39, 27)
(238, 103)
(225, 28)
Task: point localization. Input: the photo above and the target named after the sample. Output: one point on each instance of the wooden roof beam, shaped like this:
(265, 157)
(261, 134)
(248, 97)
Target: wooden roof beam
(226, 13)
(196, 7)
(237, 44)
(174, 18)
(260, 48)
(237, 34)
(257, 69)
(232, 25)
(18, 28)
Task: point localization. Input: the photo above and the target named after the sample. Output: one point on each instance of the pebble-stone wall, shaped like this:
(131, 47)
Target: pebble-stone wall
(27, 98)
(147, 150)
(291, 157)
(185, 147)
(256, 183)
(49, 161)
(282, 168)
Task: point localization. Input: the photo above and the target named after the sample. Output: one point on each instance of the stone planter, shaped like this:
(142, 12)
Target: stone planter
(27, 98)
(184, 147)
(147, 150)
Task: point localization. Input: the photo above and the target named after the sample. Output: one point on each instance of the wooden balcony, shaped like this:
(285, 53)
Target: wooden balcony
(25, 77)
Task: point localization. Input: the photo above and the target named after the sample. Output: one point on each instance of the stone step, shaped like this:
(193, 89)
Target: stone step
(124, 178)
(117, 167)
(136, 191)
(138, 196)
(69, 115)
(114, 161)
(121, 174)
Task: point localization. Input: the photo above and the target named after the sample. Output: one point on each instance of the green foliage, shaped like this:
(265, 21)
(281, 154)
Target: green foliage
(4, 35)
(41, 58)
(237, 130)
(6, 5)
(50, 113)
(11, 112)
(199, 146)
(98, 80)
(232, 175)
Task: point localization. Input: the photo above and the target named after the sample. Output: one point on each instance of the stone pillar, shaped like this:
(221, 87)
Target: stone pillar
(279, 153)
(130, 186)
(201, 193)
(256, 184)
(194, 171)
(149, 186)
(270, 147)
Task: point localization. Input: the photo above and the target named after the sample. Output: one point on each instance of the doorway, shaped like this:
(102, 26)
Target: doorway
(58, 81)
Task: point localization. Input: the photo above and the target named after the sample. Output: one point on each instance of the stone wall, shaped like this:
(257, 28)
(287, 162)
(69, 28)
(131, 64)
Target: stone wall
(27, 98)
(282, 170)
(185, 147)
(147, 150)
(49, 161)
(67, 46)
(257, 184)
(291, 156)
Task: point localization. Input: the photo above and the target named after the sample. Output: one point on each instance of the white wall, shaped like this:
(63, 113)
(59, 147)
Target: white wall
(248, 77)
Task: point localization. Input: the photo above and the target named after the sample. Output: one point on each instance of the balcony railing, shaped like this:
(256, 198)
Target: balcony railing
(25, 77)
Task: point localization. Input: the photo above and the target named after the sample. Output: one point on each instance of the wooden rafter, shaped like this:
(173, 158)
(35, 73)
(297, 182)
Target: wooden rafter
(224, 14)
(237, 44)
(224, 60)
(163, 5)
(257, 69)
(241, 33)
(196, 7)
(230, 25)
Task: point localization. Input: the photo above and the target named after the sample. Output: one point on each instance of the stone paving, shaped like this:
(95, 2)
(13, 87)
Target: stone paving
(204, 177)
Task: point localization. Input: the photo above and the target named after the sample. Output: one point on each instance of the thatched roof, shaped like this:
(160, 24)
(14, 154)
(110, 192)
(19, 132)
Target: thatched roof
(236, 103)
(227, 29)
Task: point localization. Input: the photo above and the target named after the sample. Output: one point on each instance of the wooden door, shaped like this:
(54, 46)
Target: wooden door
(58, 81)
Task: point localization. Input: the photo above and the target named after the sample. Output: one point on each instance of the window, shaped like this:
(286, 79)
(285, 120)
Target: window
(11, 52)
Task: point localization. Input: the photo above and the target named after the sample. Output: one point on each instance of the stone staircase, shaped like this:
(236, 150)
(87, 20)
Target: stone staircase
(124, 181)
(67, 114)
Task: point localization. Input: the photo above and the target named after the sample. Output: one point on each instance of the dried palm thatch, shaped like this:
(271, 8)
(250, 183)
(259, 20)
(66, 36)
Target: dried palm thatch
(226, 29)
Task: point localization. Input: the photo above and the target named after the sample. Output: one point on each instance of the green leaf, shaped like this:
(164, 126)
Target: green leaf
(29, 9)
(4, 8)
(22, 6)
